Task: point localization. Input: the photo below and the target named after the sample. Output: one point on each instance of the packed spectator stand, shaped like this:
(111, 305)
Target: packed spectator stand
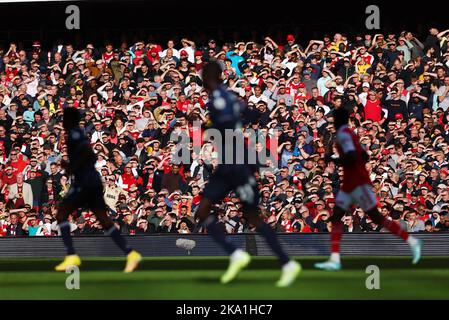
(135, 97)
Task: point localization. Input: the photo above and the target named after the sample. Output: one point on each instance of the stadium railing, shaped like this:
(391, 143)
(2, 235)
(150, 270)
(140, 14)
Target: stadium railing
(305, 244)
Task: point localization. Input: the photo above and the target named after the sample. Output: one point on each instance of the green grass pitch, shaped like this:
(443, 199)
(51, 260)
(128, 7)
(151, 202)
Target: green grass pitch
(197, 278)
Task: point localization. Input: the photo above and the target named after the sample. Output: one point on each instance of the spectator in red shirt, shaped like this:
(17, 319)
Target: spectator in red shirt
(373, 108)
(9, 176)
(129, 178)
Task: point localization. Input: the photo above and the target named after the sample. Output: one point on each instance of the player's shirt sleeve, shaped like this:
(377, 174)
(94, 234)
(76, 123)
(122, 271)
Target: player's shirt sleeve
(344, 140)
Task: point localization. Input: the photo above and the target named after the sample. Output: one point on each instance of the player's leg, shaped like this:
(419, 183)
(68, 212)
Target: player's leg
(343, 201)
(218, 186)
(239, 259)
(248, 193)
(269, 234)
(111, 230)
(368, 203)
(63, 212)
(290, 268)
(214, 191)
(65, 208)
(99, 208)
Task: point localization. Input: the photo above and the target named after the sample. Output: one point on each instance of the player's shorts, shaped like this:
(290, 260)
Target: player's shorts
(86, 195)
(362, 196)
(239, 178)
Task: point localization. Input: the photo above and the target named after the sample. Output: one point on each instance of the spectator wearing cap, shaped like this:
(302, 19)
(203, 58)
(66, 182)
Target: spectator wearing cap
(188, 46)
(291, 44)
(82, 227)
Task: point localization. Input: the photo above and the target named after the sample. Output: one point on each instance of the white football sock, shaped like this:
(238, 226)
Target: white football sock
(335, 257)
(412, 241)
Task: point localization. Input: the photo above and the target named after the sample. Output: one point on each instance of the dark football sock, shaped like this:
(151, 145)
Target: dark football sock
(273, 242)
(218, 234)
(119, 240)
(66, 237)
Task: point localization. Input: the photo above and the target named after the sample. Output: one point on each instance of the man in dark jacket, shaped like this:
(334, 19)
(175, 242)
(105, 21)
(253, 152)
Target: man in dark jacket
(37, 181)
(168, 224)
(396, 107)
(15, 227)
(173, 180)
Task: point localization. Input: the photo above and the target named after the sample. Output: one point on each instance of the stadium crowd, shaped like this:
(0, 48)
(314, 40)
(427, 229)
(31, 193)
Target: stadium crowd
(135, 96)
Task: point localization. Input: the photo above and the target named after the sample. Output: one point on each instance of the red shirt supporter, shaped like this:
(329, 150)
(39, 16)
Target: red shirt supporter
(17, 162)
(9, 176)
(129, 179)
(373, 110)
(183, 104)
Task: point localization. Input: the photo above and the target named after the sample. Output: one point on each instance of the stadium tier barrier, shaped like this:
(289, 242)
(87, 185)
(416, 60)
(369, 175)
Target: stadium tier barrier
(305, 244)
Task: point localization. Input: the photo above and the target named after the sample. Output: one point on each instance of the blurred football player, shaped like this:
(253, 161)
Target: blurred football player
(85, 191)
(237, 175)
(356, 189)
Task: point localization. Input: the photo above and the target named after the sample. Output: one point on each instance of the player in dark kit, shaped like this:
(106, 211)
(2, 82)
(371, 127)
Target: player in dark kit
(86, 191)
(225, 112)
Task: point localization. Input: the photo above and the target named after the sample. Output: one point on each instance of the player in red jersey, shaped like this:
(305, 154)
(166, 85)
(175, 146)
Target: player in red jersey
(356, 189)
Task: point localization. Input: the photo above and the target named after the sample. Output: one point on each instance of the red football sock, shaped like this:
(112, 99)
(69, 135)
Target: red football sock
(337, 229)
(395, 228)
